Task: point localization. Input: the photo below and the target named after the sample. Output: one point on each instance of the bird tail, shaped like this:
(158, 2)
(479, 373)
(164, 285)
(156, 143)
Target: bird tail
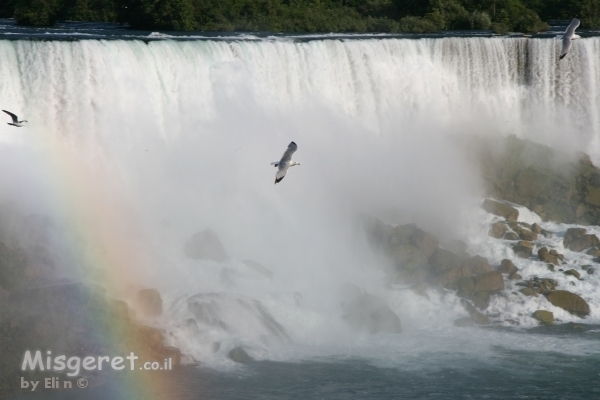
(562, 56)
(278, 179)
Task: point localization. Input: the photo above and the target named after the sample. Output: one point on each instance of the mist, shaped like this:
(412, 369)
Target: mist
(132, 148)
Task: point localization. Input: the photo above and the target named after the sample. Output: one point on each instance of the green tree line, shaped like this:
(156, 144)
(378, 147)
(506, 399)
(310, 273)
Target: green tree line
(416, 16)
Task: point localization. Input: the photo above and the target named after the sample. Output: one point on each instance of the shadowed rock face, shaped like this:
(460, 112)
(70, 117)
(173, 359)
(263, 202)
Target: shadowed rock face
(369, 313)
(571, 302)
(557, 186)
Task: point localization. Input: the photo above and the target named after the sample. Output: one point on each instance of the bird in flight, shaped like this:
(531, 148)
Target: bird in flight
(15, 119)
(285, 162)
(568, 37)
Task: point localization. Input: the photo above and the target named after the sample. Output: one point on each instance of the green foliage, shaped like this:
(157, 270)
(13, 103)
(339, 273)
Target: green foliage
(177, 15)
(37, 12)
(310, 15)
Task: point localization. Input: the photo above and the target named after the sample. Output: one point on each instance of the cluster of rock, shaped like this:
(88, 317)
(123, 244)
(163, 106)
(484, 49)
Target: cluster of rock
(40, 312)
(557, 186)
(416, 257)
(576, 239)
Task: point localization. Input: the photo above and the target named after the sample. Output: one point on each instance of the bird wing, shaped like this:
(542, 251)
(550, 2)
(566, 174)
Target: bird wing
(14, 117)
(566, 45)
(572, 26)
(287, 156)
(281, 170)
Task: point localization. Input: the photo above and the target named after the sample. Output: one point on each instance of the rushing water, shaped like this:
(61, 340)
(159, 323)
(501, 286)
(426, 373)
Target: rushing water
(134, 145)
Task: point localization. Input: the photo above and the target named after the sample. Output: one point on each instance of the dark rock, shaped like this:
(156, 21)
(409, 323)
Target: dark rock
(590, 271)
(205, 245)
(498, 230)
(545, 317)
(572, 272)
(476, 316)
(442, 260)
(576, 239)
(481, 300)
(488, 282)
(529, 292)
(570, 302)
(550, 267)
(515, 276)
(526, 234)
(149, 303)
(511, 236)
(593, 251)
(500, 209)
(472, 266)
(522, 251)
(545, 256)
(370, 313)
(239, 355)
(557, 254)
(507, 267)
(535, 228)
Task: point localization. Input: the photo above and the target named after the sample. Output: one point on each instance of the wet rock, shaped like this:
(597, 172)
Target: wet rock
(522, 250)
(577, 239)
(511, 236)
(529, 292)
(500, 209)
(481, 300)
(545, 317)
(507, 267)
(557, 254)
(442, 260)
(572, 272)
(570, 302)
(488, 282)
(545, 256)
(498, 230)
(205, 245)
(535, 228)
(515, 276)
(371, 314)
(240, 355)
(550, 267)
(476, 316)
(526, 234)
(472, 266)
(457, 247)
(259, 268)
(149, 303)
(593, 251)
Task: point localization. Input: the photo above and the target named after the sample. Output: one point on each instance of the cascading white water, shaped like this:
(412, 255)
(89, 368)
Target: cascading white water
(182, 132)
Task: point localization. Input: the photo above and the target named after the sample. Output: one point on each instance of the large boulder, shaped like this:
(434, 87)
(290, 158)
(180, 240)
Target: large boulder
(369, 313)
(500, 209)
(472, 266)
(476, 316)
(571, 302)
(507, 267)
(488, 282)
(498, 230)
(545, 317)
(577, 239)
(442, 260)
(205, 245)
(410, 247)
(556, 185)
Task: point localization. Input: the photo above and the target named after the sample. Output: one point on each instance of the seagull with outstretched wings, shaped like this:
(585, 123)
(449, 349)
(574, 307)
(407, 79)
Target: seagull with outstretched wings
(285, 162)
(568, 37)
(15, 120)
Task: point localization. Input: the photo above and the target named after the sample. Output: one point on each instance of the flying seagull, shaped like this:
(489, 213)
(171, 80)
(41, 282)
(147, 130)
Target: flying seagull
(568, 37)
(285, 162)
(15, 119)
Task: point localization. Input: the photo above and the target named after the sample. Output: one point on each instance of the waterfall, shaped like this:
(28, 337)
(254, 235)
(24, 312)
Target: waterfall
(144, 144)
